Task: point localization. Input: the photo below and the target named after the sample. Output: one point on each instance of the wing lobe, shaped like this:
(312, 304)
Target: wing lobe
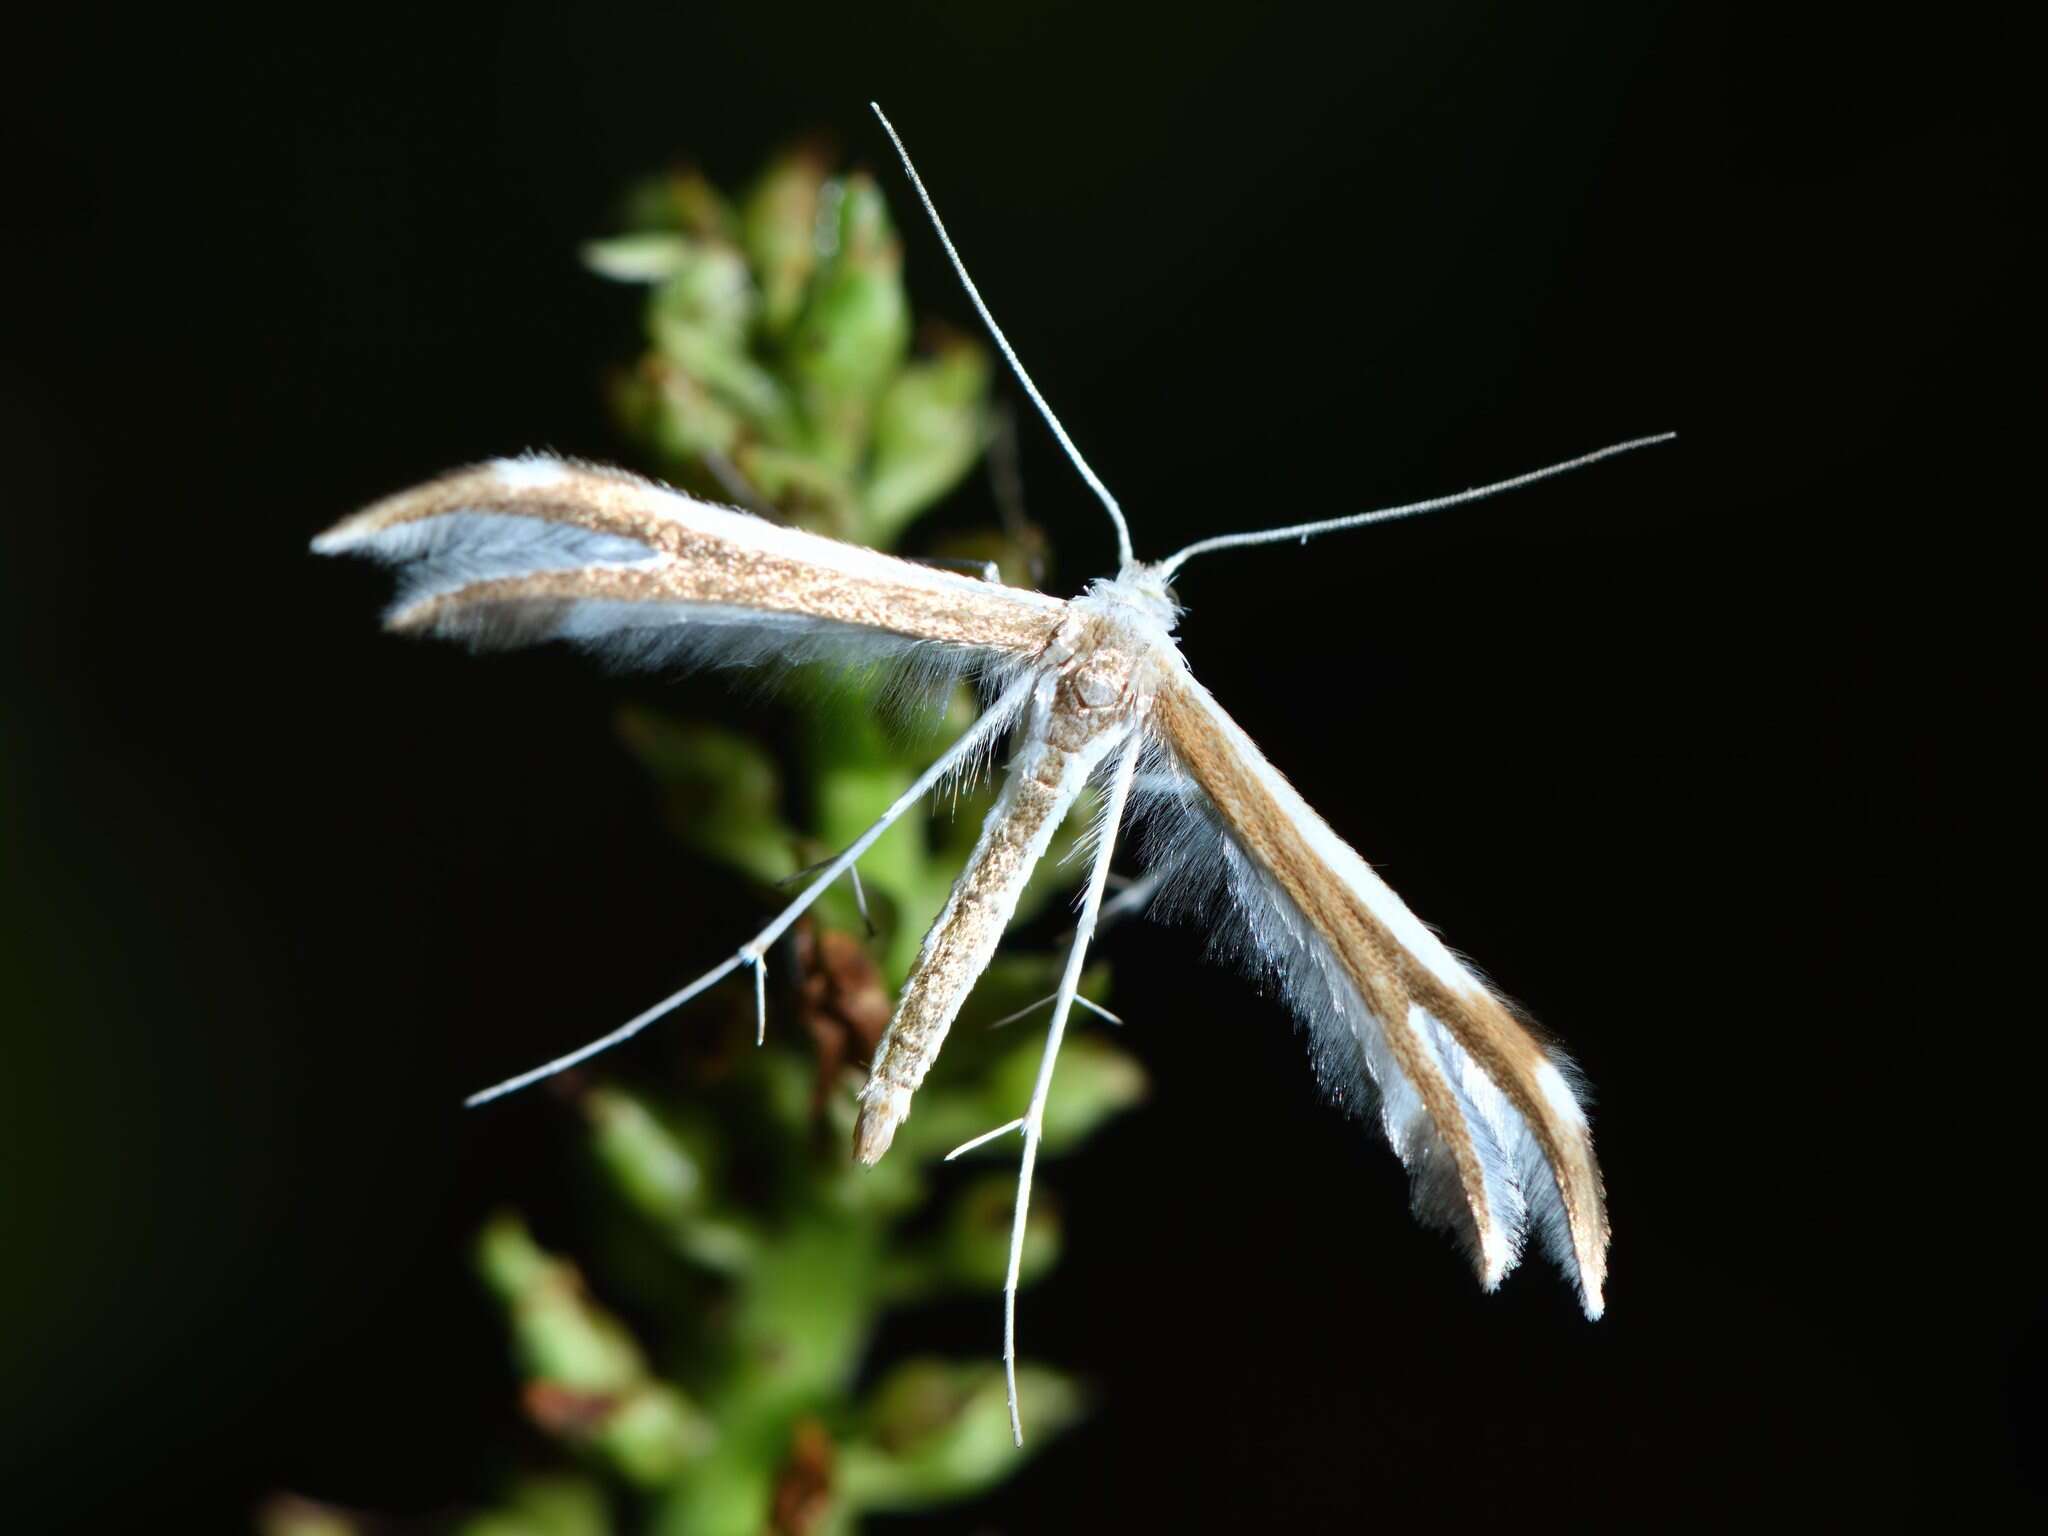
(710, 577)
(691, 555)
(1405, 991)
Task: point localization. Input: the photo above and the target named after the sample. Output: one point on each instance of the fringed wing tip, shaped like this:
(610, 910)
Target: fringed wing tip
(477, 486)
(1510, 1153)
(1589, 1248)
(1493, 1255)
(1485, 1118)
(1495, 1138)
(1493, 1259)
(420, 615)
(1581, 1247)
(357, 533)
(344, 537)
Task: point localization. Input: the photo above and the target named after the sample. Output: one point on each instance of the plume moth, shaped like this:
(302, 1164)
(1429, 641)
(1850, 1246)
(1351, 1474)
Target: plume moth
(1086, 689)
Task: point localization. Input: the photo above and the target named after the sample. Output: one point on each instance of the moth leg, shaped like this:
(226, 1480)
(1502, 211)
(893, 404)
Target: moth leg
(860, 894)
(995, 719)
(1034, 1115)
(1134, 897)
(1052, 997)
(760, 963)
(985, 1138)
(860, 899)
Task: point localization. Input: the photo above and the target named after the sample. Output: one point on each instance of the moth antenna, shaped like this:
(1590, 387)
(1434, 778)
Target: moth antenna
(994, 719)
(1041, 1090)
(1116, 513)
(1305, 531)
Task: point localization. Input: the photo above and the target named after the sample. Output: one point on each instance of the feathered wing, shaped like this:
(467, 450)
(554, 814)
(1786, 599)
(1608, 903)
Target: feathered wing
(1485, 1118)
(522, 550)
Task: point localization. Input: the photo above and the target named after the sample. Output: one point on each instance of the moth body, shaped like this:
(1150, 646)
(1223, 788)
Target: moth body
(1484, 1115)
(1092, 686)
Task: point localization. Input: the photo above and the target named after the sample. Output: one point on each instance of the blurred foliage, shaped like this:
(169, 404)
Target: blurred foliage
(754, 1255)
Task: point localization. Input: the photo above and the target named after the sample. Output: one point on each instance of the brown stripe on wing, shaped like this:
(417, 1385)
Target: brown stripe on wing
(720, 562)
(1389, 977)
(593, 496)
(746, 579)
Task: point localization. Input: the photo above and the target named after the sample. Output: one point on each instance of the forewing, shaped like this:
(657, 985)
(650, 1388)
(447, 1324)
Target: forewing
(522, 550)
(1484, 1116)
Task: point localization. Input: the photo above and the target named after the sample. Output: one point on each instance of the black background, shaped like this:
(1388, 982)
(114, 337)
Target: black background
(1689, 751)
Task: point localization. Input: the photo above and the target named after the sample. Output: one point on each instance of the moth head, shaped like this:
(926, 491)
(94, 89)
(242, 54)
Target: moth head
(1145, 588)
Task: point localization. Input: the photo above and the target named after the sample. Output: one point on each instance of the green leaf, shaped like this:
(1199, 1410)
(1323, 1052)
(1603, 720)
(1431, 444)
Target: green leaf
(800, 486)
(586, 1379)
(544, 1506)
(854, 330)
(935, 1432)
(975, 1248)
(652, 1434)
(779, 229)
(644, 258)
(647, 1164)
(699, 319)
(675, 414)
(558, 1333)
(929, 428)
(657, 1175)
(683, 202)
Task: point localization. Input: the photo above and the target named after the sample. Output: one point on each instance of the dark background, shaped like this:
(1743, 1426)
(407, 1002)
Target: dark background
(1689, 751)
